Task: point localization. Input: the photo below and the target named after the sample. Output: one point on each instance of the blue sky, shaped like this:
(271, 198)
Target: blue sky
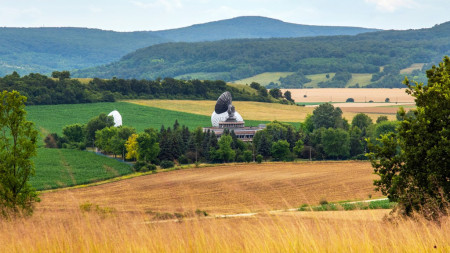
(134, 15)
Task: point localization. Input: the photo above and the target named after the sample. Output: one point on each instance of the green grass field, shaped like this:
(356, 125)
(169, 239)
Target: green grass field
(52, 118)
(57, 168)
(361, 79)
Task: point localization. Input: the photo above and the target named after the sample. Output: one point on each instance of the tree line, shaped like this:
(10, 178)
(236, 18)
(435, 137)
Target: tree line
(324, 135)
(61, 89)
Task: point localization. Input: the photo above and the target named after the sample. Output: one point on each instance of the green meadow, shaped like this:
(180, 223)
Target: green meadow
(57, 168)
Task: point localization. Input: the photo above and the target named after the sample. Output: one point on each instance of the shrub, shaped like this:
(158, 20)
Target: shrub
(323, 202)
(259, 158)
(183, 159)
(166, 164)
(349, 100)
(142, 166)
(387, 100)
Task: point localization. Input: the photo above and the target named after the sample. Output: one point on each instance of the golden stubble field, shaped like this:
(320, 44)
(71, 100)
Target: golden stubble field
(267, 111)
(358, 94)
(59, 225)
(226, 189)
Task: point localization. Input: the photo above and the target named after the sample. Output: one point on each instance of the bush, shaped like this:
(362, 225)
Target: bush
(387, 100)
(349, 100)
(166, 164)
(183, 159)
(142, 166)
(259, 158)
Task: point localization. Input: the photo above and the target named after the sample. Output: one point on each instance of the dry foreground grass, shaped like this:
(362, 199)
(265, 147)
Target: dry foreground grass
(59, 225)
(121, 223)
(267, 111)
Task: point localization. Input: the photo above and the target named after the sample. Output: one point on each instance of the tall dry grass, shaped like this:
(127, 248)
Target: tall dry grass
(91, 232)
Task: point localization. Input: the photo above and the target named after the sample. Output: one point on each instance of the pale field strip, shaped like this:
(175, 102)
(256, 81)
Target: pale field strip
(258, 110)
(222, 190)
(358, 94)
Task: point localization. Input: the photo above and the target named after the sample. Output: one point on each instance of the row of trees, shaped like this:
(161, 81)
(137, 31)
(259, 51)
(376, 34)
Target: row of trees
(61, 89)
(324, 135)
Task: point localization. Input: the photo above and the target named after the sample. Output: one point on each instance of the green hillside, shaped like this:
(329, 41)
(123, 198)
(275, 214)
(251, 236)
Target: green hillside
(362, 54)
(43, 50)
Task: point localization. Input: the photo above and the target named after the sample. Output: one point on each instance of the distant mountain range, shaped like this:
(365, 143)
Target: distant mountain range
(240, 58)
(45, 50)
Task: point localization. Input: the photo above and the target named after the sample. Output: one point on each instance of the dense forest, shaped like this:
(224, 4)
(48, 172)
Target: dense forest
(48, 49)
(61, 89)
(237, 59)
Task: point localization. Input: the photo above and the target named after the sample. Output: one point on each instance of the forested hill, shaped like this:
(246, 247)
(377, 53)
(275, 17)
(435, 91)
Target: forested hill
(253, 27)
(45, 50)
(236, 59)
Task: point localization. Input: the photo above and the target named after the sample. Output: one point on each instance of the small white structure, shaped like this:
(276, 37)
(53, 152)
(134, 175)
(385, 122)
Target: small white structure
(117, 118)
(216, 118)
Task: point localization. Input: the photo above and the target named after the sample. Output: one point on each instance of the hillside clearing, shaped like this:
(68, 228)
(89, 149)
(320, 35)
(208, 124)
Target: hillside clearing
(265, 78)
(410, 69)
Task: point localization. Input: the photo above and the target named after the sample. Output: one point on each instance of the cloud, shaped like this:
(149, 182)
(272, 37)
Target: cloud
(392, 5)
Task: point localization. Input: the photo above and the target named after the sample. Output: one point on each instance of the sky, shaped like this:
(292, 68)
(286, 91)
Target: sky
(145, 15)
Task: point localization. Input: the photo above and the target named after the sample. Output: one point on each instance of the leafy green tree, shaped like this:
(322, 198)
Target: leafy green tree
(280, 150)
(288, 96)
(417, 176)
(298, 148)
(326, 115)
(356, 141)
(148, 147)
(97, 123)
(336, 143)
(362, 121)
(382, 118)
(247, 156)
(226, 153)
(17, 145)
(276, 93)
(74, 133)
(103, 138)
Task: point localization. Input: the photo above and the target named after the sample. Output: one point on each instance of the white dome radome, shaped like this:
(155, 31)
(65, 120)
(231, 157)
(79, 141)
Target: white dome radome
(216, 118)
(117, 118)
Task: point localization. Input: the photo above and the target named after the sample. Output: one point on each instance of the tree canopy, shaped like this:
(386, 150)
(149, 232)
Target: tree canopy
(413, 165)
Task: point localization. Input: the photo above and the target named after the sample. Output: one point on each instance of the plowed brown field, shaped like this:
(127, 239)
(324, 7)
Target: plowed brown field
(225, 189)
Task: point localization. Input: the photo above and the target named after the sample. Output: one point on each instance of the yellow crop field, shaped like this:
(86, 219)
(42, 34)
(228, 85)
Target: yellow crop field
(248, 110)
(120, 216)
(227, 189)
(358, 94)
(263, 111)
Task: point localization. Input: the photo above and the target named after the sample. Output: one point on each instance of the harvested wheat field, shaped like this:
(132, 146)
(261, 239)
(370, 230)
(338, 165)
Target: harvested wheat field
(253, 110)
(358, 94)
(225, 189)
(120, 224)
(248, 110)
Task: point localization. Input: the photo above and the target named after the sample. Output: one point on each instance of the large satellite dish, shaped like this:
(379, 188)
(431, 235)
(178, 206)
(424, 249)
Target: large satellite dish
(223, 102)
(117, 118)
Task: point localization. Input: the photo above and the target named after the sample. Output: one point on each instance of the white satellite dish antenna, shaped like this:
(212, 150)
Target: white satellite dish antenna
(117, 118)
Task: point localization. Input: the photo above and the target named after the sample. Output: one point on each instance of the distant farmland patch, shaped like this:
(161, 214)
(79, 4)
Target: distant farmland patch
(410, 69)
(264, 78)
(358, 94)
(57, 168)
(249, 110)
